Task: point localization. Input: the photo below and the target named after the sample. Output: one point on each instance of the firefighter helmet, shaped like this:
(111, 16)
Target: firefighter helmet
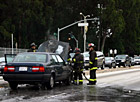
(91, 45)
(77, 50)
(33, 44)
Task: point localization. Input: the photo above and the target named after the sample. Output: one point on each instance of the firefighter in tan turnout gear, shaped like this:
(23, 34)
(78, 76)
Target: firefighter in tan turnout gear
(78, 61)
(93, 64)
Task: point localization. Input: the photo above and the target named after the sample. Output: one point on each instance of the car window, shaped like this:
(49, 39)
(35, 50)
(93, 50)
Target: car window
(108, 58)
(54, 59)
(2, 59)
(30, 58)
(9, 57)
(121, 57)
(60, 60)
(137, 57)
(99, 54)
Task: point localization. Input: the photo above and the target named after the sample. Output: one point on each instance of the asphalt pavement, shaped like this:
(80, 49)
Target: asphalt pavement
(112, 86)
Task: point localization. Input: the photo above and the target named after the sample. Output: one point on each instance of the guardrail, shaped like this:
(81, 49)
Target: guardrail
(9, 51)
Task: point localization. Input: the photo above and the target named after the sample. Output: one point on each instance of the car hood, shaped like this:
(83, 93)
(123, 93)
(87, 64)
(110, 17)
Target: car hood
(55, 46)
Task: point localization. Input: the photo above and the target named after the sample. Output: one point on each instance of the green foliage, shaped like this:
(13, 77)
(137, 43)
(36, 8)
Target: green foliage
(34, 20)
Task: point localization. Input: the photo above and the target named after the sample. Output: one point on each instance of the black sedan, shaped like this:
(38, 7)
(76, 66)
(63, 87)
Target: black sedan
(37, 68)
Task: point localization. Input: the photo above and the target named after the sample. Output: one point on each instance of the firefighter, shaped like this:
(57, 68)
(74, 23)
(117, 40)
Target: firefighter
(78, 66)
(33, 47)
(93, 64)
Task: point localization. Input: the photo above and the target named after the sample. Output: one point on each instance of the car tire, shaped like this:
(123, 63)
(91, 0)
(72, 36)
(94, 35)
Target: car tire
(130, 65)
(119, 66)
(114, 66)
(103, 66)
(51, 82)
(110, 66)
(124, 65)
(13, 85)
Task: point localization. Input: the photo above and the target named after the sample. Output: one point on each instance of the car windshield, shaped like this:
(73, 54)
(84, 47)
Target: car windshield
(107, 58)
(30, 58)
(121, 57)
(137, 57)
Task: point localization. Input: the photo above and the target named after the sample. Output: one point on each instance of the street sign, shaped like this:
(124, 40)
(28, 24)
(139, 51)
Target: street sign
(82, 24)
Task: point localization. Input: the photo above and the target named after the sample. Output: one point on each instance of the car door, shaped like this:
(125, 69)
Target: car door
(9, 58)
(100, 60)
(64, 69)
(57, 67)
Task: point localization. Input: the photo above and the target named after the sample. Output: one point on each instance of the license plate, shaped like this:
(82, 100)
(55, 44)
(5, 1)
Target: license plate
(22, 68)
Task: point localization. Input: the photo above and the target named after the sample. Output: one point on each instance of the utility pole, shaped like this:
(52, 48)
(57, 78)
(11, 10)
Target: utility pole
(12, 42)
(100, 27)
(85, 29)
(60, 29)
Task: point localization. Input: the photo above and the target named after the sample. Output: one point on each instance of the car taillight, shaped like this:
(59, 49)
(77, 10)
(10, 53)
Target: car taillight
(5, 69)
(41, 69)
(38, 69)
(9, 69)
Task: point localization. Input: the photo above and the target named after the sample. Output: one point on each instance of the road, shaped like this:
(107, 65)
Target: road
(116, 86)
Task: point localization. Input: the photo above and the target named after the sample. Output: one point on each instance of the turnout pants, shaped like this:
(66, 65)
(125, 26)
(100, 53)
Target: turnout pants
(92, 79)
(76, 75)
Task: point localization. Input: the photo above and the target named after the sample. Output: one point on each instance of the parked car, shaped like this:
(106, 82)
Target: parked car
(132, 61)
(86, 60)
(123, 60)
(110, 62)
(37, 68)
(2, 65)
(137, 60)
(100, 60)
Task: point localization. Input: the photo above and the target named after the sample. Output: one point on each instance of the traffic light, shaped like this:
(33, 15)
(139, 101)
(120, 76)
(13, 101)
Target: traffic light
(55, 34)
(71, 35)
(69, 38)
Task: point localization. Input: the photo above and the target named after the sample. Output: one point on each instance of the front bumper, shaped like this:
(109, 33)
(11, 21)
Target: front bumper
(137, 63)
(107, 64)
(120, 63)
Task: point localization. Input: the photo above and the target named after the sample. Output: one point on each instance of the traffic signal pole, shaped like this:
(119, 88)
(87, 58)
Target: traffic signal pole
(60, 29)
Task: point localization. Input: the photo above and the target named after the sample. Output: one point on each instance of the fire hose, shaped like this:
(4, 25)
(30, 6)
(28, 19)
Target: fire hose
(85, 76)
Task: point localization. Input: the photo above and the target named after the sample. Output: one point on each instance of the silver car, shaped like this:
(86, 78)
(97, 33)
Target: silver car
(137, 60)
(100, 60)
(110, 62)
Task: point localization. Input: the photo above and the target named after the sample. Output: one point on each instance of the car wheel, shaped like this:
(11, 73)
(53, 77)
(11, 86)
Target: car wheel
(68, 80)
(103, 66)
(114, 65)
(119, 66)
(50, 84)
(110, 66)
(130, 65)
(124, 65)
(13, 85)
